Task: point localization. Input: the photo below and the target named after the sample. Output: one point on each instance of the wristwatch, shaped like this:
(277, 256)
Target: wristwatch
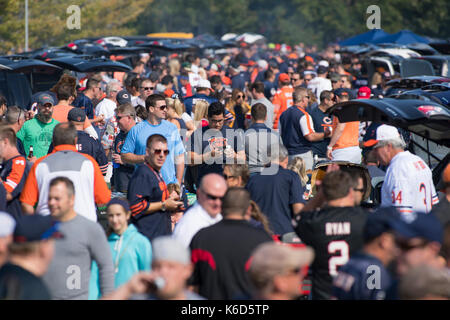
(330, 148)
(163, 207)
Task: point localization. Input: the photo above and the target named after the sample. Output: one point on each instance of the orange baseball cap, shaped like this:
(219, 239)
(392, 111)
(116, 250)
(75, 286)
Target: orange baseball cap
(284, 77)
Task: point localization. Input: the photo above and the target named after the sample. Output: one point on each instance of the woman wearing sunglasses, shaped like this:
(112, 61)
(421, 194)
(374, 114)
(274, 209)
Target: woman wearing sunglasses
(238, 108)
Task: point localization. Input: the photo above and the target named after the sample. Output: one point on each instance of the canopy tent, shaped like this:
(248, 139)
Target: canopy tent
(367, 37)
(402, 37)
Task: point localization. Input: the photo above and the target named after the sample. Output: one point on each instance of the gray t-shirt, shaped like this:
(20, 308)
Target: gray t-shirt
(270, 110)
(70, 270)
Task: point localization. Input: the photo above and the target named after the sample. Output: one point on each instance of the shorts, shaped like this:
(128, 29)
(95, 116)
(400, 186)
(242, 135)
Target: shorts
(350, 154)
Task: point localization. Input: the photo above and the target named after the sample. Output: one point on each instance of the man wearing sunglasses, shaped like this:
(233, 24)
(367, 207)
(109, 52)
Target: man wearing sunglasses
(205, 212)
(213, 146)
(150, 202)
(146, 89)
(134, 148)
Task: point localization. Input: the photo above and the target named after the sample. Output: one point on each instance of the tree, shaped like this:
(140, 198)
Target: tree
(49, 27)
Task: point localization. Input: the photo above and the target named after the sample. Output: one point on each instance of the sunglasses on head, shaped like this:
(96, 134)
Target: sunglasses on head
(159, 151)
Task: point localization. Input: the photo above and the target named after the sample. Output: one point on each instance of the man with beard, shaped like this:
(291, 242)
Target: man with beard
(38, 132)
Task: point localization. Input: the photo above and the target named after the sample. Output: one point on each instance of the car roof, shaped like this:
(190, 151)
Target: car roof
(427, 119)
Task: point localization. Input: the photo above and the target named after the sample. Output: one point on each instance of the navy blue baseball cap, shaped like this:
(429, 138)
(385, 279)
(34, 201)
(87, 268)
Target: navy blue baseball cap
(424, 225)
(123, 202)
(383, 220)
(123, 97)
(36, 228)
(77, 115)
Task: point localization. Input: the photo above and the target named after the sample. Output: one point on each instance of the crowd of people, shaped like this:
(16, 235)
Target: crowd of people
(202, 167)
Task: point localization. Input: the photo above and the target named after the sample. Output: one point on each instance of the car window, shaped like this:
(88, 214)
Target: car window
(16, 88)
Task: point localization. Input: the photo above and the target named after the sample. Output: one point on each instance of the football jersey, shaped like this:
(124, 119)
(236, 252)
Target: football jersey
(408, 184)
(14, 173)
(283, 99)
(335, 233)
(147, 186)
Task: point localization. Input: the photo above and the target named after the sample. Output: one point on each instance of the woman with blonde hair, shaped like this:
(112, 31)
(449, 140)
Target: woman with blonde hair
(298, 166)
(200, 110)
(177, 115)
(238, 108)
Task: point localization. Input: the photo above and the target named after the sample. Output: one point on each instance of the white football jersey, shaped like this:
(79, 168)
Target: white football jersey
(408, 184)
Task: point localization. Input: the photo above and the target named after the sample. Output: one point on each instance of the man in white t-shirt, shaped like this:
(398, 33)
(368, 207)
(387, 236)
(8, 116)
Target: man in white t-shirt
(108, 105)
(408, 184)
(320, 83)
(205, 212)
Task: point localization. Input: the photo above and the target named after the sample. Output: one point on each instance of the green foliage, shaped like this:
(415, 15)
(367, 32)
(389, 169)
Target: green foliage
(290, 21)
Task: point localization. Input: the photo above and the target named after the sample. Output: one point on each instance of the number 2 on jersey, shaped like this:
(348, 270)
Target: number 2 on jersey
(339, 260)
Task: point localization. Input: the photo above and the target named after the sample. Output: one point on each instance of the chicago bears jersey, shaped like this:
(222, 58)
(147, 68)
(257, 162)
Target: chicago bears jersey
(408, 184)
(335, 233)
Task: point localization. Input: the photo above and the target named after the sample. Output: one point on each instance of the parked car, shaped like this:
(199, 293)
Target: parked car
(22, 76)
(427, 121)
(440, 64)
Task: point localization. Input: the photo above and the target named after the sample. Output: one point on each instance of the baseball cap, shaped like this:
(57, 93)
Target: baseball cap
(123, 203)
(364, 93)
(7, 224)
(263, 64)
(36, 228)
(203, 83)
(77, 115)
(123, 97)
(424, 225)
(45, 98)
(284, 77)
(271, 259)
(341, 92)
(383, 220)
(170, 249)
(324, 63)
(335, 77)
(322, 70)
(380, 133)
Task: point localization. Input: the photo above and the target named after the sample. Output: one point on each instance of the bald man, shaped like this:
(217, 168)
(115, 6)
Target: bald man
(206, 210)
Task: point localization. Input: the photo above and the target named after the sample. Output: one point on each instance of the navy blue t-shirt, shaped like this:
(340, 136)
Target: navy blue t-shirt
(2, 197)
(363, 277)
(20, 147)
(86, 104)
(121, 172)
(270, 89)
(291, 132)
(144, 188)
(201, 142)
(275, 190)
(320, 121)
(189, 102)
(238, 81)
